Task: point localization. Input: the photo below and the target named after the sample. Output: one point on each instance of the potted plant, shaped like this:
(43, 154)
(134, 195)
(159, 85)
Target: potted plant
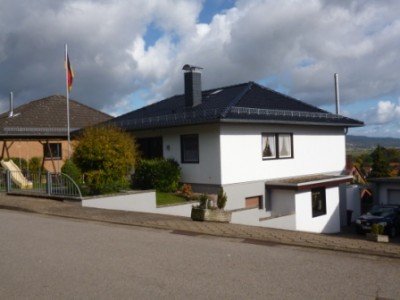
(377, 233)
(211, 210)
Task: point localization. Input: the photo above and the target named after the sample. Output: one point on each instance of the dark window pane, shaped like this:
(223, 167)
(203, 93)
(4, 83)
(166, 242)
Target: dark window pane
(190, 148)
(150, 148)
(318, 202)
(52, 151)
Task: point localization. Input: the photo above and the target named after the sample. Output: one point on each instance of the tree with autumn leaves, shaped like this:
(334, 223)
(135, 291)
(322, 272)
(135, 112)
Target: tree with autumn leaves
(106, 156)
(380, 163)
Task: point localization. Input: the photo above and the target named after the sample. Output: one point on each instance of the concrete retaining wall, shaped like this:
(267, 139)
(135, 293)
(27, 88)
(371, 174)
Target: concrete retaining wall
(139, 201)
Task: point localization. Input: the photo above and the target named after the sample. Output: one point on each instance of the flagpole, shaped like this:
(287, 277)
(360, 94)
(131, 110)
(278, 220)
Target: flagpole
(66, 79)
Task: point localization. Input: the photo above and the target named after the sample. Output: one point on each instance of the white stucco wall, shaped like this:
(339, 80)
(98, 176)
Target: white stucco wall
(328, 223)
(283, 202)
(207, 171)
(237, 193)
(143, 201)
(139, 201)
(315, 149)
(286, 222)
(246, 217)
(232, 153)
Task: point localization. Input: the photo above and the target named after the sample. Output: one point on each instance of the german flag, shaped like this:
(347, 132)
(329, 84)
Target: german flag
(69, 73)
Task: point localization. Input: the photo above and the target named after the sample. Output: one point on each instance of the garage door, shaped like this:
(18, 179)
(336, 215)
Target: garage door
(394, 196)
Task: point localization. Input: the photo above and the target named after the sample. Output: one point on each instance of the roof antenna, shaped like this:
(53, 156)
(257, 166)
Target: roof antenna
(11, 113)
(337, 97)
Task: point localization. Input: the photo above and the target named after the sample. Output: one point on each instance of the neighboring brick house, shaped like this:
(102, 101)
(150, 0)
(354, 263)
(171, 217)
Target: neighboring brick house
(39, 129)
(280, 161)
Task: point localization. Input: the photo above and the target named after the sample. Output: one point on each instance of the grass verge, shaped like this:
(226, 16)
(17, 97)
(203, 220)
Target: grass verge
(167, 198)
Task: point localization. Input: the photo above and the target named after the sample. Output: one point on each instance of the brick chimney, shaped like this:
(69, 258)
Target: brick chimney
(192, 78)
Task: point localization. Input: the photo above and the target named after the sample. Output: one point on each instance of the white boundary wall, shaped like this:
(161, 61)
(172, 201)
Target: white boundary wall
(143, 201)
(146, 202)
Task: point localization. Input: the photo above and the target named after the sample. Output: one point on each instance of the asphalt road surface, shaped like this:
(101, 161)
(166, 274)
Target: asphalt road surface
(54, 258)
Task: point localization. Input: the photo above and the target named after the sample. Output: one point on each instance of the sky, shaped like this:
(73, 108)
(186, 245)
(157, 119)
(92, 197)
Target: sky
(129, 53)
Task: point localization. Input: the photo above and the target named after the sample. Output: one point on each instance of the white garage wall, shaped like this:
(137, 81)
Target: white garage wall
(328, 223)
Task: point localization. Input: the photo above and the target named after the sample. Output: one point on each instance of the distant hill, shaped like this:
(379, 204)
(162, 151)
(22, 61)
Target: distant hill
(354, 142)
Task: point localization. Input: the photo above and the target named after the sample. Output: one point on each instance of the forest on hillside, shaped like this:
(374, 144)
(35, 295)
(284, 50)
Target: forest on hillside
(357, 143)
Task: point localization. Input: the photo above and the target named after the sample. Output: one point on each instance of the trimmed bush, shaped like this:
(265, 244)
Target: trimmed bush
(72, 171)
(105, 155)
(162, 175)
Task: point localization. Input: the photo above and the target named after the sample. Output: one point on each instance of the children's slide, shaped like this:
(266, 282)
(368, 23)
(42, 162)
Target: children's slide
(16, 175)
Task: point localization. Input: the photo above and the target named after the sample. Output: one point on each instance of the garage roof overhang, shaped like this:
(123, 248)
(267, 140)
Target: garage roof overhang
(302, 183)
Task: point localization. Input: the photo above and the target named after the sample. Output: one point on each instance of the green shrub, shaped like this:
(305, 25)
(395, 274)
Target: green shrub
(377, 229)
(169, 176)
(35, 165)
(203, 199)
(160, 174)
(145, 175)
(222, 198)
(72, 170)
(99, 182)
(20, 162)
(106, 156)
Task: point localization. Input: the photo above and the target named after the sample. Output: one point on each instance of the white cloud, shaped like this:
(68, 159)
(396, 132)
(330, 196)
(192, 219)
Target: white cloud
(301, 44)
(385, 112)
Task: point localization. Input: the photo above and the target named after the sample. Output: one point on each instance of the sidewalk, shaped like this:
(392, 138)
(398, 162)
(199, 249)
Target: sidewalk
(346, 242)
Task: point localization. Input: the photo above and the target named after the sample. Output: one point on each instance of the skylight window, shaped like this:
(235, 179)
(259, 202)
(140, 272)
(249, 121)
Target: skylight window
(216, 92)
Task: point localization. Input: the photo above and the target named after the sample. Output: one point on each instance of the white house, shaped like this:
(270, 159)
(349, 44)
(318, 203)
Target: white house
(279, 160)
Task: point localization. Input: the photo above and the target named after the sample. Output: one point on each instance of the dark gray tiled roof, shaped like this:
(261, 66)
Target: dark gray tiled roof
(247, 102)
(47, 117)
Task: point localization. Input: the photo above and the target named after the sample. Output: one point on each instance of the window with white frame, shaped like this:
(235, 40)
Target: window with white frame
(277, 145)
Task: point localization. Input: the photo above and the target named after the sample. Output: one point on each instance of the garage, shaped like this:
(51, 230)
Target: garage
(394, 196)
(386, 190)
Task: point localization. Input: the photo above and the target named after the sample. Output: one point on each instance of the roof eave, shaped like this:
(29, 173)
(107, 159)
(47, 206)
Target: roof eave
(330, 181)
(32, 137)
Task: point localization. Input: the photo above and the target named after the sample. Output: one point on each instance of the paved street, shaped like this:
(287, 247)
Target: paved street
(344, 242)
(46, 257)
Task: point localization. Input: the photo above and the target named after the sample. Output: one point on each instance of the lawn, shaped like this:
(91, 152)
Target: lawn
(167, 198)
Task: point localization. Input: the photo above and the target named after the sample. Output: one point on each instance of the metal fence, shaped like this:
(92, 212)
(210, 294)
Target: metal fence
(58, 185)
(3, 180)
